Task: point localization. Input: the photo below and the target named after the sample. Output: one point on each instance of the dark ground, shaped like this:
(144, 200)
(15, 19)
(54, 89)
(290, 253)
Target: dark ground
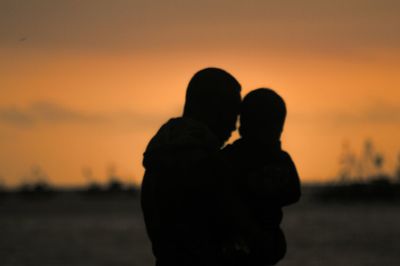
(69, 230)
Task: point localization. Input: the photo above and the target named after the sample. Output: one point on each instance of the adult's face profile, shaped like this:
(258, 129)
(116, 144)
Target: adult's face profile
(226, 122)
(213, 97)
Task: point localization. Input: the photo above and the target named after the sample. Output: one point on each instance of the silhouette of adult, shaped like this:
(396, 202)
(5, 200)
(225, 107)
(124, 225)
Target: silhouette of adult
(181, 184)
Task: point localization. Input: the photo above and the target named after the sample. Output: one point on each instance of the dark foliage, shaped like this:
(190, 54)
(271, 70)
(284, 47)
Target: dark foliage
(378, 189)
(39, 190)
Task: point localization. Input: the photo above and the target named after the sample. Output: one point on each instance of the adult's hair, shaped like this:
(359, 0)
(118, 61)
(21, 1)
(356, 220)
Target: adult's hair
(262, 111)
(213, 97)
(208, 91)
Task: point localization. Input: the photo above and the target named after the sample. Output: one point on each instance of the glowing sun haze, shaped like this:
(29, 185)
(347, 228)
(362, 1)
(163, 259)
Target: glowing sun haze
(86, 84)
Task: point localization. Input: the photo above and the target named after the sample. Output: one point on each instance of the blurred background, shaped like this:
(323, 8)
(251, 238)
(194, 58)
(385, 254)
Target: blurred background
(84, 85)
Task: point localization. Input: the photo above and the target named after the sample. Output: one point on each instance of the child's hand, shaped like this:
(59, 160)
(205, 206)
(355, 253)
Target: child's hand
(237, 247)
(241, 247)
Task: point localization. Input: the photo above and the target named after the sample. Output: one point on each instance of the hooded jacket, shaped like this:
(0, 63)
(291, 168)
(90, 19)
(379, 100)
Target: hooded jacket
(179, 195)
(266, 180)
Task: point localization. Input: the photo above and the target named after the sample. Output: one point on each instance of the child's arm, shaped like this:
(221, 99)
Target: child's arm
(237, 214)
(278, 182)
(244, 229)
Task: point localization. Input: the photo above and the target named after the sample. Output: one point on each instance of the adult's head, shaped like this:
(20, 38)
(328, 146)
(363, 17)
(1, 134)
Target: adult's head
(262, 115)
(213, 97)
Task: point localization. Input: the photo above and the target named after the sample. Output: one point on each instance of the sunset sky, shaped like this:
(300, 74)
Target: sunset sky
(86, 84)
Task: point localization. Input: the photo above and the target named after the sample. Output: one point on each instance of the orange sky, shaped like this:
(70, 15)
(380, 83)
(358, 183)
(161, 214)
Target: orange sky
(87, 83)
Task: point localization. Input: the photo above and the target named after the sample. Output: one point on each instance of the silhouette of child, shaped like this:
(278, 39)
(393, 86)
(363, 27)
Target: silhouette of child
(266, 180)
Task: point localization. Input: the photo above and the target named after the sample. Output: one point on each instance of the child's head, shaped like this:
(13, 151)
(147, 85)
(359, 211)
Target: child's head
(263, 114)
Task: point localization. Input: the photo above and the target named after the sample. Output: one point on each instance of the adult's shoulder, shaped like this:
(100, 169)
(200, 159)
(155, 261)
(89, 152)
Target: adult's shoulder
(285, 156)
(233, 150)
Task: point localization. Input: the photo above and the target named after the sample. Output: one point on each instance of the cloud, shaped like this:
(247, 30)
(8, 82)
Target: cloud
(53, 113)
(46, 113)
(374, 114)
(382, 114)
(14, 116)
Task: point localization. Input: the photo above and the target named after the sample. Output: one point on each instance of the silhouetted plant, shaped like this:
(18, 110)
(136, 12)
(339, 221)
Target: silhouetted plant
(93, 189)
(39, 187)
(366, 164)
(88, 175)
(397, 169)
(362, 179)
(132, 190)
(40, 190)
(347, 163)
(114, 186)
(38, 174)
(3, 190)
